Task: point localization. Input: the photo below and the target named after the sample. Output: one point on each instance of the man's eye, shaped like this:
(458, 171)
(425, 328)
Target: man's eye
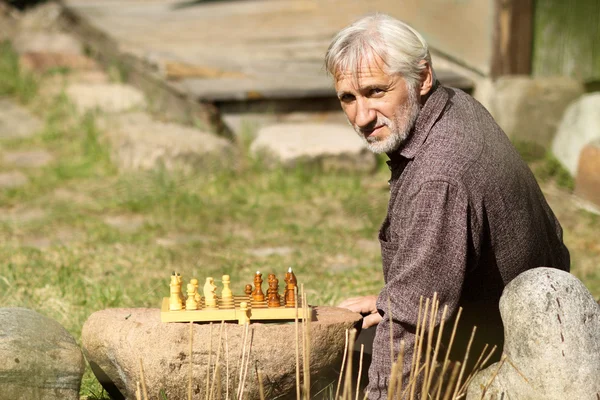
(376, 91)
(347, 98)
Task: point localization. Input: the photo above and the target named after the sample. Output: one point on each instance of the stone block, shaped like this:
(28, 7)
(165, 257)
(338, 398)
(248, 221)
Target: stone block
(332, 146)
(579, 126)
(587, 181)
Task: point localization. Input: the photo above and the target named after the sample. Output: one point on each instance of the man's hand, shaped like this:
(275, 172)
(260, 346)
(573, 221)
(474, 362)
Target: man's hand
(366, 306)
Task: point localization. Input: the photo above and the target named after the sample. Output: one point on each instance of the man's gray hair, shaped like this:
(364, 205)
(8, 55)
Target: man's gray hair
(401, 48)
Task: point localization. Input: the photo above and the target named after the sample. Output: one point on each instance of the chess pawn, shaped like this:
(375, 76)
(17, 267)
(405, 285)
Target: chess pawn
(175, 303)
(197, 295)
(274, 299)
(243, 314)
(226, 292)
(191, 303)
(258, 295)
(248, 291)
(290, 295)
(210, 297)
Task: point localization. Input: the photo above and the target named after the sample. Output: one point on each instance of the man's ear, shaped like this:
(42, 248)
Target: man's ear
(426, 79)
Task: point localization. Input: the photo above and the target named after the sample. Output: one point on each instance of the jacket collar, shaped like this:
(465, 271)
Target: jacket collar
(428, 115)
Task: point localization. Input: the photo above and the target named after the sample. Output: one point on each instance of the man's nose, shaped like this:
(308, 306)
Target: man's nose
(365, 114)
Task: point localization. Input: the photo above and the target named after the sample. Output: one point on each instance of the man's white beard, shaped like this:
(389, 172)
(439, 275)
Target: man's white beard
(400, 127)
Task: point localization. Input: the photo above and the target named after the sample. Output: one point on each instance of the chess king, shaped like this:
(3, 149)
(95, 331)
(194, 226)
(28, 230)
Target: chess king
(465, 214)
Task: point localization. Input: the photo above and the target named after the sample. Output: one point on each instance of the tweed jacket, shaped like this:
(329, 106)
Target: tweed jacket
(465, 217)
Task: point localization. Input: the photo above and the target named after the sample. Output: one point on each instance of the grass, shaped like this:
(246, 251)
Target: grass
(69, 260)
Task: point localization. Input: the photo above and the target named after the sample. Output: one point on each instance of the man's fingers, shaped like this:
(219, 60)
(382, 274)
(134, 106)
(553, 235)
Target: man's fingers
(371, 320)
(363, 305)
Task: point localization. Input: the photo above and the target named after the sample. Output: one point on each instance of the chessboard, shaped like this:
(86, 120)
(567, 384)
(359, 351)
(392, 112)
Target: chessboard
(253, 306)
(257, 312)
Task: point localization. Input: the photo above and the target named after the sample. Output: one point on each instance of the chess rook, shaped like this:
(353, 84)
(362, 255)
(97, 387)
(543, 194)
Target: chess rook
(175, 302)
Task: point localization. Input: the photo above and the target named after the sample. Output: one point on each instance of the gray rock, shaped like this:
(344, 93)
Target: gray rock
(333, 146)
(12, 180)
(16, 121)
(28, 159)
(579, 126)
(105, 97)
(139, 143)
(39, 359)
(530, 109)
(43, 17)
(114, 354)
(552, 335)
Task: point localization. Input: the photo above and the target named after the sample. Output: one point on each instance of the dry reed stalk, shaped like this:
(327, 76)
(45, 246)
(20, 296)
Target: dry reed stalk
(411, 383)
(516, 369)
(412, 365)
(143, 378)
(500, 364)
(389, 304)
(261, 388)
(445, 364)
(247, 363)
(417, 355)
(297, 345)
(308, 345)
(212, 385)
(209, 363)
(360, 362)
(138, 392)
(219, 382)
(347, 392)
(400, 362)
(226, 365)
(337, 391)
(437, 347)
(190, 372)
(448, 390)
(241, 366)
(464, 364)
(472, 374)
(431, 323)
(489, 355)
(393, 379)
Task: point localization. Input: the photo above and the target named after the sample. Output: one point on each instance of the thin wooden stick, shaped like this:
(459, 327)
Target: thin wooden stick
(465, 360)
(393, 379)
(485, 388)
(347, 393)
(489, 355)
(297, 344)
(448, 390)
(307, 346)
(242, 363)
(419, 348)
(226, 365)
(138, 392)
(412, 365)
(414, 378)
(247, 363)
(400, 362)
(431, 324)
(516, 369)
(212, 385)
(337, 391)
(191, 365)
(219, 382)
(143, 379)
(389, 310)
(472, 374)
(437, 345)
(261, 389)
(445, 364)
(360, 362)
(475, 370)
(209, 363)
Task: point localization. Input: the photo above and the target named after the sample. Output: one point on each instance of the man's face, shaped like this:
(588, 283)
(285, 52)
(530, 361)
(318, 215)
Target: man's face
(382, 108)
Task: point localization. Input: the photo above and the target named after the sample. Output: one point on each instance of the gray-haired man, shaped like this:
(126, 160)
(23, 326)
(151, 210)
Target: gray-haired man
(465, 214)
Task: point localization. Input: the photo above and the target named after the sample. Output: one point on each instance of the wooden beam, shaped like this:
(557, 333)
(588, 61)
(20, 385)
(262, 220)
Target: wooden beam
(513, 34)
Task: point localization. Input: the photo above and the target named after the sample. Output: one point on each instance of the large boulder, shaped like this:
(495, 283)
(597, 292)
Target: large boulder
(587, 181)
(579, 126)
(115, 340)
(332, 146)
(16, 121)
(529, 109)
(140, 143)
(39, 359)
(552, 341)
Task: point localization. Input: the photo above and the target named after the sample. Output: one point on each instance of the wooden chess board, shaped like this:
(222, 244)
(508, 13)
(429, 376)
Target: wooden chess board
(258, 312)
